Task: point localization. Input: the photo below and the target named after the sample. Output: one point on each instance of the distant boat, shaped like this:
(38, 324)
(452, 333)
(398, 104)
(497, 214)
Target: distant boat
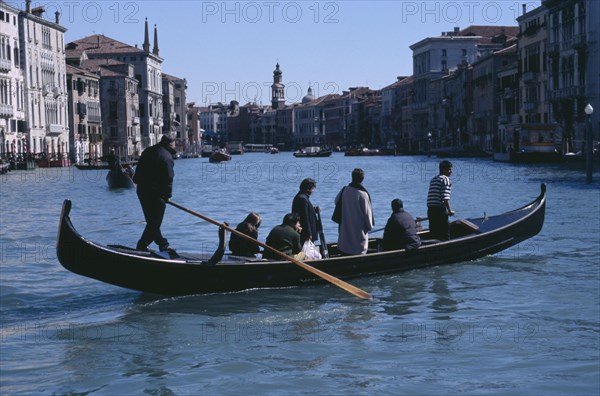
(532, 143)
(312, 151)
(119, 176)
(365, 152)
(207, 150)
(102, 165)
(235, 148)
(219, 156)
(54, 162)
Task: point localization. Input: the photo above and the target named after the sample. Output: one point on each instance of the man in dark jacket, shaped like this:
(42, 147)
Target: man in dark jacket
(400, 230)
(304, 208)
(285, 237)
(154, 178)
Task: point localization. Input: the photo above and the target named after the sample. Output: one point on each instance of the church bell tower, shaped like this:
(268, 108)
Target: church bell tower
(277, 89)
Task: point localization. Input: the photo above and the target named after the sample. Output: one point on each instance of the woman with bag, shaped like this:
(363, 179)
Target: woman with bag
(240, 246)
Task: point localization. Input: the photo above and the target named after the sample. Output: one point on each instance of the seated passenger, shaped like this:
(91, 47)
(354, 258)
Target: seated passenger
(285, 237)
(240, 246)
(400, 231)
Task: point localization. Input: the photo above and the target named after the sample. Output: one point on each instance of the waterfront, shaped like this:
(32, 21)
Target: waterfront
(522, 322)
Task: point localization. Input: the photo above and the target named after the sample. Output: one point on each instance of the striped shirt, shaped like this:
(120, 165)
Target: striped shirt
(439, 190)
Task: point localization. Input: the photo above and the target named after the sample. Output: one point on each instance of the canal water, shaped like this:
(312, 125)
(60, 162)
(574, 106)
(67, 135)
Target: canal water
(524, 321)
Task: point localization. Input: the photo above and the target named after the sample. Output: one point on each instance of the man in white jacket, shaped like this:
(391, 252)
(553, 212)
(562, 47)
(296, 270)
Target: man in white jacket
(357, 216)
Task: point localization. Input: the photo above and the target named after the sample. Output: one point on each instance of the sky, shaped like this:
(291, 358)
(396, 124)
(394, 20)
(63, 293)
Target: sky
(227, 50)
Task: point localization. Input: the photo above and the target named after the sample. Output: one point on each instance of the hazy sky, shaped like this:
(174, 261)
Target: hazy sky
(227, 50)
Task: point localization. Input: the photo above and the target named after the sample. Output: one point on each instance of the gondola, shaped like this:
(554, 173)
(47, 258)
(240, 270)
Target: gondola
(119, 177)
(156, 272)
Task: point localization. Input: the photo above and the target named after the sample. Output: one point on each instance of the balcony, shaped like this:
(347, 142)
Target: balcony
(566, 44)
(552, 48)
(135, 121)
(530, 106)
(529, 77)
(5, 65)
(568, 92)
(54, 129)
(579, 41)
(6, 111)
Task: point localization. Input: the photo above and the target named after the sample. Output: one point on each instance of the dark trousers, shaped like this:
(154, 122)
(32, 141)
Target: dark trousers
(438, 223)
(153, 207)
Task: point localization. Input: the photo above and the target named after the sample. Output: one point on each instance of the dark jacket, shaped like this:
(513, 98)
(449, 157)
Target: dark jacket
(285, 239)
(240, 246)
(154, 173)
(400, 232)
(308, 218)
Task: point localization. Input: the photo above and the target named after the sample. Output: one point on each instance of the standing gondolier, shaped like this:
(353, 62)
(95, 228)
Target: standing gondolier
(154, 178)
(438, 202)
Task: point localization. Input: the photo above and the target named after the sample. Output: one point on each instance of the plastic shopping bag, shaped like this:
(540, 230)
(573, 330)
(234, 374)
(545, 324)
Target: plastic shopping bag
(311, 250)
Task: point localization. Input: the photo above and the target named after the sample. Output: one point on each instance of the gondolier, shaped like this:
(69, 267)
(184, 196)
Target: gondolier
(438, 202)
(154, 179)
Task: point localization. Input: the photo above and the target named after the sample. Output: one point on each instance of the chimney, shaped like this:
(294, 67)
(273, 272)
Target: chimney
(98, 41)
(456, 30)
(524, 8)
(28, 6)
(57, 18)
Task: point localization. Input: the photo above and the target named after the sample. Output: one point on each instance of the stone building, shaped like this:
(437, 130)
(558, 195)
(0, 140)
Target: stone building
(43, 62)
(573, 49)
(85, 117)
(146, 70)
(434, 57)
(174, 110)
(13, 130)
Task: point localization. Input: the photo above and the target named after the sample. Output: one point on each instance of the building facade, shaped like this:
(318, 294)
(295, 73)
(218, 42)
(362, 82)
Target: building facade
(174, 111)
(85, 116)
(44, 66)
(573, 67)
(146, 70)
(13, 125)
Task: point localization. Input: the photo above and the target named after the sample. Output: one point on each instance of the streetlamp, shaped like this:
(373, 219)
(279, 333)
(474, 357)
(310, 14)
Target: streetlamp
(429, 144)
(589, 110)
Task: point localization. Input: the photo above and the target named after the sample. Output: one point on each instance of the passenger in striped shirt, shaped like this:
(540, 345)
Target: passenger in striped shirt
(438, 202)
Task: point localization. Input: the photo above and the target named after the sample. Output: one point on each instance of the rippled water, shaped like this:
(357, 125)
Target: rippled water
(525, 321)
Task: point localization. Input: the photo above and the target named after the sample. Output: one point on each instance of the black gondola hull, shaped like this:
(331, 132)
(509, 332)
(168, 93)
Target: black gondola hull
(190, 274)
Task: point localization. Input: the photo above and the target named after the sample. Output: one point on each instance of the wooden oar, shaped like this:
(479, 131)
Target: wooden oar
(417, 220)
(323, 246)
(329, 278)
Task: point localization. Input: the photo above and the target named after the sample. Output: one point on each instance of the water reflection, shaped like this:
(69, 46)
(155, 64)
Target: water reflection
(443, 303)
